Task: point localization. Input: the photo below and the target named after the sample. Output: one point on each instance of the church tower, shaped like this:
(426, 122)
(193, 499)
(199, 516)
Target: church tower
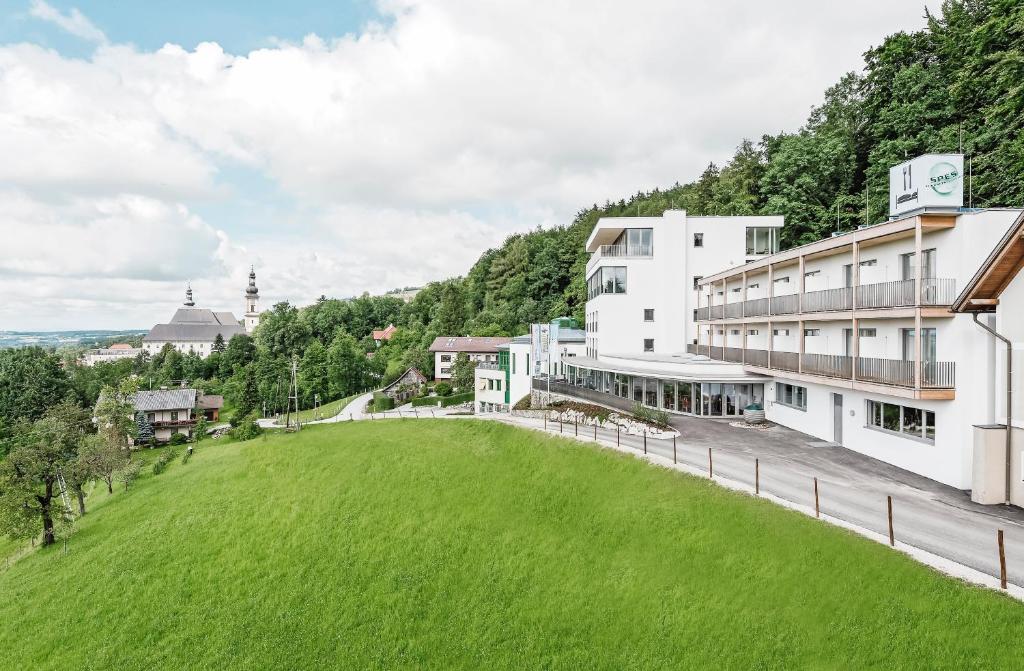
(252, 304)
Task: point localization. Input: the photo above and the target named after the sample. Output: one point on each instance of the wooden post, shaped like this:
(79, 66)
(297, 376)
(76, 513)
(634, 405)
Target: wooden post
(711, 467)
(757, 477)
(617, 443)
(576, 422)
(1002, 559)
(545, 421)
(817, 510)
(892, 536)
(595, 432)
(416, 412)
(645, 441)
(674, 460)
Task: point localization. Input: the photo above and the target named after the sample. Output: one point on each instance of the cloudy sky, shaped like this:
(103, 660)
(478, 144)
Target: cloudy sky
(343, 149)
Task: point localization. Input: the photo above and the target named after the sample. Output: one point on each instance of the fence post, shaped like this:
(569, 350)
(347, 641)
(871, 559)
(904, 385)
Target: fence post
(892, 537)
(559, 422)
(817, 510)
(576, 422)
(416, 412)
(1002, 559)
(545, 421)
(757, 477)
(645, 441)
(674, 460)
(595, 432)
(711, 468)
(617, 443)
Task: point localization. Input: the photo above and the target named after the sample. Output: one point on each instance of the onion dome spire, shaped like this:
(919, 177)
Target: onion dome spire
(189, 303)
(251, 290)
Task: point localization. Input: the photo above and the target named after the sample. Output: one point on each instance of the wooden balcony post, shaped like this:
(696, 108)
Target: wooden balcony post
(800, 356)
(918, 270)
(771, 287)
(771, 341)
(855, 273)
(800, 287)
(919, 262)
(854, 352)
(743, 298)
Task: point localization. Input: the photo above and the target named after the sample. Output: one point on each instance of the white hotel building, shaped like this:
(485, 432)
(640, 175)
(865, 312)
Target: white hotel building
(849, 339)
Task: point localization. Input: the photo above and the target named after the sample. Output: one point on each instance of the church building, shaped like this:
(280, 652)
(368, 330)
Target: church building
(193, 329)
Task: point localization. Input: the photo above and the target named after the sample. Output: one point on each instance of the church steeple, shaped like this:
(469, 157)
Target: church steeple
(252, 301)
(189, 303)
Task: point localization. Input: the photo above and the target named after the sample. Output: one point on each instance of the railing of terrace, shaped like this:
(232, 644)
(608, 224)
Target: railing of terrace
(899, 293)
(785, 305)
(733, 310)
(784, 361)
(886, 371)
(733, 354)
(756, 357)
(829, 365)
(828, 300)
(756, 307)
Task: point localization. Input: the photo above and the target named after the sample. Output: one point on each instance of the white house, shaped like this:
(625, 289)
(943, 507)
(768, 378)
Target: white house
(115, 352)
(193, 329)
(478, 349)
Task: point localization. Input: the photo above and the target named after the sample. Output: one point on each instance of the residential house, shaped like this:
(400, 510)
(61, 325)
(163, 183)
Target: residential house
(478, 349)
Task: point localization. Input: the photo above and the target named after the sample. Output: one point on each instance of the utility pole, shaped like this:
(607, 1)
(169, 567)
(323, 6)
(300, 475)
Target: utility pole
(293, 397)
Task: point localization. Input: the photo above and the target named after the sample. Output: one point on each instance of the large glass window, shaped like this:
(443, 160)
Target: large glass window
(792, 395)
(927, 344)
(638, 389)
(685, 397)
(902, 419)
(606, 280)
(651, 392)
(668, 396)
(729, 393)
(762, 240)
(635, 242)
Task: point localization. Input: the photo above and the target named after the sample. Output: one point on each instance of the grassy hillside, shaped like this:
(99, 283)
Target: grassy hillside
(473, 545)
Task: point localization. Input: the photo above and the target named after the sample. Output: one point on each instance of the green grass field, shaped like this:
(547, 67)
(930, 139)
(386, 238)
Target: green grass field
(465, 544)
(327, 410)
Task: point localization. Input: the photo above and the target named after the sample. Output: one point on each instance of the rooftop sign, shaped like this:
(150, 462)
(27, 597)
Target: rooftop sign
(931, 180)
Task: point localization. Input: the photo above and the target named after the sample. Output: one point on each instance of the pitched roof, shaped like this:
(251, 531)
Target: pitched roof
(384, 334)
(210, 401)
(1002, 265)
(165, 399)
(202, 316)
(467, 344)
(192, 332)
(420, 377)
(120, 345)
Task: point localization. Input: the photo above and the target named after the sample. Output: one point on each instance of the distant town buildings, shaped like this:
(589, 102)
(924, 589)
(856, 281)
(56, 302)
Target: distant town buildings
(383, 335)
(115, 352)
(193, 329)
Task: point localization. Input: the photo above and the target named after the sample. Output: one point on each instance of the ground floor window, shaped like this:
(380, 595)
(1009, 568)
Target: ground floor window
(791, 395)
(902, 419)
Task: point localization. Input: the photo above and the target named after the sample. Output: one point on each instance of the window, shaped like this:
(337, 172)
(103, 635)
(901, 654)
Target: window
(174, 415)
(812, 332)
(648, 344)
(869, 263)
(698, 239)
(780, 332)
(927, 344)
(696, 281)
(734, 332)
(762, 240)
(446, 371)
(755, 285)
(606, 280)
(751, 332)
(908, 270)
(783, 280)
(150, 417)
(902, 419)
(446, 358)
(848, 275)
(791, 395)
(812, 273)
(634, 242)
(648, 314)
(736, 290)
(868, 332)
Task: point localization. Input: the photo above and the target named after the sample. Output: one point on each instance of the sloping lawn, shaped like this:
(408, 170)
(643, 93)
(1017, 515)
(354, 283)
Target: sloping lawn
(467, 544)
(326, 411)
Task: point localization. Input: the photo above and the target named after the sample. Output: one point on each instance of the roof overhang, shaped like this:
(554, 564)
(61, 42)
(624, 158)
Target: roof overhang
(981, 295)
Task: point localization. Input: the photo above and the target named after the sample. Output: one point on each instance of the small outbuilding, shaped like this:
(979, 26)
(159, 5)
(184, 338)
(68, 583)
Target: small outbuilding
(406, 386)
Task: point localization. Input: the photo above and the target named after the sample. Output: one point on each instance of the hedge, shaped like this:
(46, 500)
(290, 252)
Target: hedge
(432, 401)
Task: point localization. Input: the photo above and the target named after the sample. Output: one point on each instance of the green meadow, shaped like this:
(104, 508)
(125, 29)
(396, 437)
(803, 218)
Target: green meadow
(469, 544)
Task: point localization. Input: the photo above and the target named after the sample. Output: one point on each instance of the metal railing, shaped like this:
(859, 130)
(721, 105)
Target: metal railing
(784, 361)
(701, 314)
(886, 371)
(692, 348)
(716, 352)
(829, 365)
(733, 310)
(785, 305)
(756, 357)
(733, 354)
(717, 311)
(756, 307)
(625, 250)
(938, 375)
(485, 365)
(828, 300)
(899, 293)
(938, 291)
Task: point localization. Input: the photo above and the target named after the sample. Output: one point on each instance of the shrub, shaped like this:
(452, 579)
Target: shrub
(247, 429)
(178, 439)
(456, 399)
(160, 465)
(443, 389)
(382, 402)
(650, 415)
(523, 403)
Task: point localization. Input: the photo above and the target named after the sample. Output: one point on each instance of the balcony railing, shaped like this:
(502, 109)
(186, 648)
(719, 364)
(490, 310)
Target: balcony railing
(829, 365)
(896, 294)
(785, 305)
(886, 371)
(488, 365)
(757, 307)
(717, 353)
(733, 354)
(938, 375)
(692, 348)
(784, 361)
(756, 357)
(625, 250)
(828, 300)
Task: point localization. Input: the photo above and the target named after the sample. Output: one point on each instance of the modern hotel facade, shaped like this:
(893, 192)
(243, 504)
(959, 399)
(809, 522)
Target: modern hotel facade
(850, 339)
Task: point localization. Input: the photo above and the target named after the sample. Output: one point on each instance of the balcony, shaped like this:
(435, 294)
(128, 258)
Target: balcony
(891, 372)
(621, 252)
(883, 295)
(489, 365)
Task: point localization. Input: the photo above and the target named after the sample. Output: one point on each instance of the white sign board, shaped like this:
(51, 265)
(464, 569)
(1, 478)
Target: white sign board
(932, 180)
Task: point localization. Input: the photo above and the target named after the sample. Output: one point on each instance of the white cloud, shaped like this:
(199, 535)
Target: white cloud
(74, 22)
(402, 142)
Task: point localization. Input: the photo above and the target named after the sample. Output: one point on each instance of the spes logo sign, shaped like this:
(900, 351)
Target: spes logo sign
(943, 177)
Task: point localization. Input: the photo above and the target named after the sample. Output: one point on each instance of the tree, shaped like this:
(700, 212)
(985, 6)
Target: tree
(200, 427)
(29, 474)
(463, 372)
(249, 400)
(101, 459)
(144, 430)
(129, 473)
(314, 373)
(31, 380)
(115, 415)
(346, 365)
(218, 343)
